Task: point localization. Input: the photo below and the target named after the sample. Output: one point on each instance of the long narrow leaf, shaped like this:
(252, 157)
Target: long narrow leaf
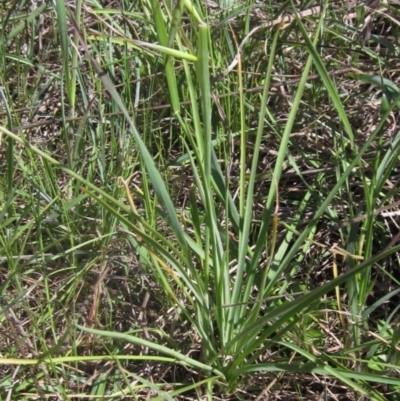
(155, 347)
(155, 177)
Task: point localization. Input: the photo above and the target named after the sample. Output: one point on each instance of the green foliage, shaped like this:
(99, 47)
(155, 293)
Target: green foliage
(184, 198)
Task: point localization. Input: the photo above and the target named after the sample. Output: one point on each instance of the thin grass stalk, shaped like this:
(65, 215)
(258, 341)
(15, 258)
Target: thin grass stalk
(204, 83)
(319, 65)
(66, 81)
(25, 21)
(245, 224)
(198, 148)
(266, 218)
(243, 151)
(169, 65)
(74, 61)
(61, 13)
(185, 360)
(154, 244)
(193, 11)
(175, 22)
(251, 185)
(214, 243)
(10, 143)
(155, 177)
(201, 146)
(222, 189)
(325, 204)
(204, 324)
(281, 155)
(221, 277)
(282, 314)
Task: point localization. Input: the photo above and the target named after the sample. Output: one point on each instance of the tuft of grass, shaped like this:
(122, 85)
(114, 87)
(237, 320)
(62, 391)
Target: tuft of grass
(196, 201)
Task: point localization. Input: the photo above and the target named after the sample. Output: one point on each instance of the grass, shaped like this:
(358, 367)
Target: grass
(196, 201)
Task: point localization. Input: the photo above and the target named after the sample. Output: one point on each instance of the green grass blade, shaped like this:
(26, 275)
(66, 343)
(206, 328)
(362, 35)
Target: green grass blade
(319, 65)
(155, 347)
(155, 177)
